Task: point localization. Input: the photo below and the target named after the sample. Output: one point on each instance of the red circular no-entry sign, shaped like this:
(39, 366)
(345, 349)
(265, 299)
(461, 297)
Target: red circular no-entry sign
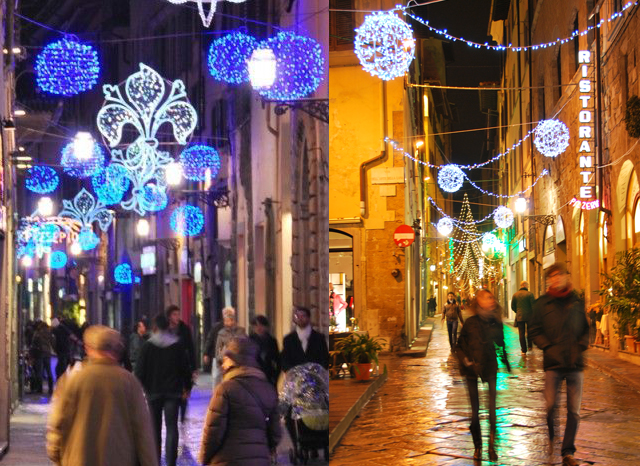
(404, 236)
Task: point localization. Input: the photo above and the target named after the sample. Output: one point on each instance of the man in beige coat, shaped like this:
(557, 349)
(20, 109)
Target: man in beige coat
(99, 416)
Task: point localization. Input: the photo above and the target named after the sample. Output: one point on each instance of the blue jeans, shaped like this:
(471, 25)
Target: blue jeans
(552, 382)
(452, 327)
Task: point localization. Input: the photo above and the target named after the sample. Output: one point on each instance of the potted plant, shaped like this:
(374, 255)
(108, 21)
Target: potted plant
(621, 294)
(360, 350)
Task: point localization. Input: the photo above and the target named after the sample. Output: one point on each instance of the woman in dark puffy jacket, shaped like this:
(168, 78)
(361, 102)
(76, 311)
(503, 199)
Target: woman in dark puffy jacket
(242, 427)
(481, 342)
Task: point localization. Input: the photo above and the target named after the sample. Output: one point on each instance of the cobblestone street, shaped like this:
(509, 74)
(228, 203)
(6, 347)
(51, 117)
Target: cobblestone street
(421, 415)
(28, 431)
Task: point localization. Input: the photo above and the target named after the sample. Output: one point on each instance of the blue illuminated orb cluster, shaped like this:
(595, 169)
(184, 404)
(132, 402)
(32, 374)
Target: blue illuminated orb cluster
(299, 66)
(88, 239)
(111, 184)
(503, 216)
(228, 57)
(123, 274)
(196, 160)
(57, 260)
(155, 198)
(82, 168)
(384, 45)
(187, 220)
(450, 178)
(42, 179)
(67, 67)
(551, 138)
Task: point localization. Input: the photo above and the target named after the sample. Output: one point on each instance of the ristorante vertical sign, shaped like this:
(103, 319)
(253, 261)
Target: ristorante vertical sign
(586, 134)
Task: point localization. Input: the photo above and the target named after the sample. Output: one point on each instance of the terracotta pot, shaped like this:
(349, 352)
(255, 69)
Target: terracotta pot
(637, 346)
(363, 371)
(629, 343)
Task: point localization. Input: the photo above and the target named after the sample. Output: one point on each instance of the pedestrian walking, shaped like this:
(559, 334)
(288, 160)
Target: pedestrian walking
(431, 306)
(522, 305)
(62, 346)
(242, 426)
(98, 415)
(136, 340)
(164, 370)
(228, 332)
(304, 344)
(480, 345)
(559, 327)
(41, 349)
(268, 352)
(209, 356)
(183, 332)
(452, 314)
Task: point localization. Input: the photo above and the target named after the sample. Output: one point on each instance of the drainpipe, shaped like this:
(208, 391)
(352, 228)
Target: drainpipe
(383, 157)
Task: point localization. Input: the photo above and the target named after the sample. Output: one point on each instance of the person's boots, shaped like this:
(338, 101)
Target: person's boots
(477, 440)
(493, 456)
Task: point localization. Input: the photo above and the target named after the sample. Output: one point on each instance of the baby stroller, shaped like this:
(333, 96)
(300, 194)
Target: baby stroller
(305, 401)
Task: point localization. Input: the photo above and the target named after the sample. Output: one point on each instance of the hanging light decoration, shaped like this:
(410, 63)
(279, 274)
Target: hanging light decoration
(261, 68)
(83, 145)
(75, 248)
(445, 226)
(111, 184)
(57, 260)
(42, 179)
(551, 138)
(84, 167)
(205, 15)
(228, 57)
(154, 198)
(299, 66)
(88, 239)
(187, 220)
(384, 45)
(123, 274)
(67, 67)
(450, 178)
(199, 163)
(503, 216)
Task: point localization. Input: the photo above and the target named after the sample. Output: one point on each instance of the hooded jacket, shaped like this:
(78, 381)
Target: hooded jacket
(163, 366)
(560, 328)
(242, 424)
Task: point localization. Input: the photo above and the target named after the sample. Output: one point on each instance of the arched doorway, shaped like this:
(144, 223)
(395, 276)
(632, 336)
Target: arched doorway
(341, 277)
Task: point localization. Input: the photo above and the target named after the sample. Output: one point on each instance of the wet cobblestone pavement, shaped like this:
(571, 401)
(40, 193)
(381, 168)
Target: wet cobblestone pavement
(421, 416)
(28, 427)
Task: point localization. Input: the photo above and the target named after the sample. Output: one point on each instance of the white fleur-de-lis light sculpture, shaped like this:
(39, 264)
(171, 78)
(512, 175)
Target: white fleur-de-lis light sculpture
(206, 16)
(148, 105)
(86, 209)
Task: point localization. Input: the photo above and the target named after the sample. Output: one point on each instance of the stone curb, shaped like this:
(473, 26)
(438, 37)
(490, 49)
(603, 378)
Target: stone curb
(613, 372)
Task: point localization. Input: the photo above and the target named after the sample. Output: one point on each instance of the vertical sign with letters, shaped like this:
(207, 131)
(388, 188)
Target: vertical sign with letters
(586, 131)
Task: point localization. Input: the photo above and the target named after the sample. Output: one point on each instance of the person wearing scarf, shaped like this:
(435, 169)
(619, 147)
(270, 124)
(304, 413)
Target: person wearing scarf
(560, 328)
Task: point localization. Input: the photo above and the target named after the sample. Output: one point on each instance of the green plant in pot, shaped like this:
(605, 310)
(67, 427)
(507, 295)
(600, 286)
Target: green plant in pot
(621, 292)
(360, 350)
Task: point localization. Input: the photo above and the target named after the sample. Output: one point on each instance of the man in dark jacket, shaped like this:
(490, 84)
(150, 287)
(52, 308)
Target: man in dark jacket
(559, 327)
(304, 344)
(178, 328)
(268, 354)
(522, 305)
(164, 371)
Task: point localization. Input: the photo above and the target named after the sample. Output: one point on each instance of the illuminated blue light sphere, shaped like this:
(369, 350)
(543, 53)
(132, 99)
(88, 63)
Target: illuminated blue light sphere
(551, 138)
(299, 66)
(82, 168)
(384, 45)
(228, 57)
(154, 198)
(111, 184)
(187, 220)
(67, 67)
(503, 216)
(450, 178)
(123, 274)
(88, 239)
(200, 163)
(42, 179)
(57, 260)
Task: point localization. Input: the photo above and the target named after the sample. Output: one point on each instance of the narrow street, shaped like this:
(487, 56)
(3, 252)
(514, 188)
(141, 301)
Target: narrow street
(28, 426)
(421, 415)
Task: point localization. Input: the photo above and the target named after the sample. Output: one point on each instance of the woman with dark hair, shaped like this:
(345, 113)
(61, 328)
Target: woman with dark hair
(481, 342)
(452, 314)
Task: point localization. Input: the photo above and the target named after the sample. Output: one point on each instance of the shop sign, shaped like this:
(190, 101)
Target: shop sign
(586, 136)
(404, 236)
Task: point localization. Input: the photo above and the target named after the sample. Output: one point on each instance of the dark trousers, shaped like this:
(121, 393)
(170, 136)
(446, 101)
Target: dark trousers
(552, 382)
(524, 336)
(62, 364)
(41, 368)
(474, 399)
(452, 327)
(183, 409)
(170, 408)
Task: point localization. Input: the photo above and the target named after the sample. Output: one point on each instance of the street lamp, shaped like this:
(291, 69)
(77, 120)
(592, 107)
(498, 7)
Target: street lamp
(45, 206)
(432, 267)
(521, 205)
(83, 145)
(76, 249)
(27, 261)
(142, 228)
(262, 68)
(173, 173)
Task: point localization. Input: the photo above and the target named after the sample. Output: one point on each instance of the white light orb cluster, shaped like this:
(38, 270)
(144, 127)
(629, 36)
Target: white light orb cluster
(489, 241)
(445, 226)
(551, 138)
(384, 45)
(503, 216)
(450, 178)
